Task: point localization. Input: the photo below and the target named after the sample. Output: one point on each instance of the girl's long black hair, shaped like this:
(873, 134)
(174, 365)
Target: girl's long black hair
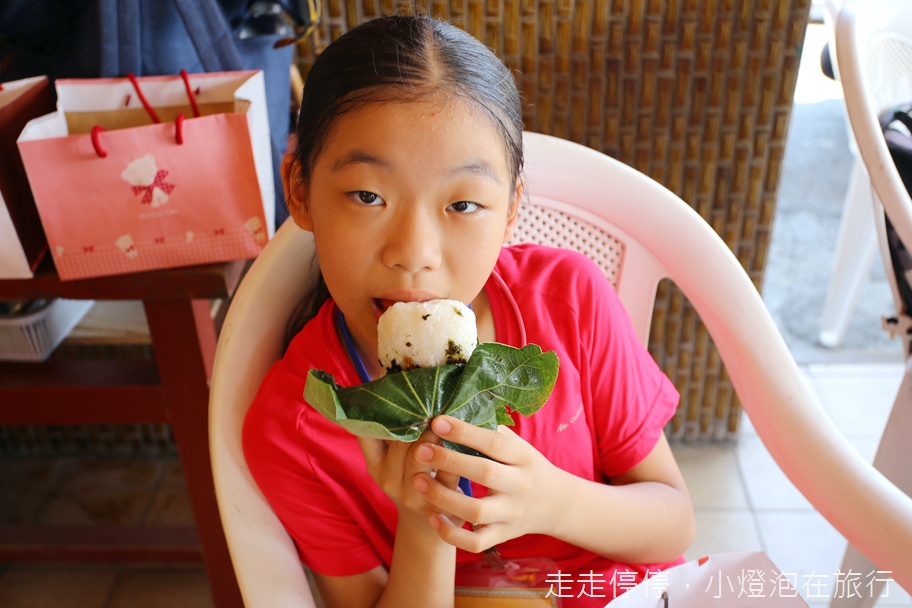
(400, 58)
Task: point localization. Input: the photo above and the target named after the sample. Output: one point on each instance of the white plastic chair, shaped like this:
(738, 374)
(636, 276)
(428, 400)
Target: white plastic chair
(874, 50)
(856, 244)
(640, 232)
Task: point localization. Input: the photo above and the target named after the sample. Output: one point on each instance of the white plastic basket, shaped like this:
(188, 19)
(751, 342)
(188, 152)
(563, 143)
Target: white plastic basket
(34, 336)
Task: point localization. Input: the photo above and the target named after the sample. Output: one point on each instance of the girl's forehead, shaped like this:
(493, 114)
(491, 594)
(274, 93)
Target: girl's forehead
(431, 105)
(421, 121)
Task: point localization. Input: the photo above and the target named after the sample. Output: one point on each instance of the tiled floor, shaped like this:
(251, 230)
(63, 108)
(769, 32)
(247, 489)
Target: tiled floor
(744, 502)
(86, 491)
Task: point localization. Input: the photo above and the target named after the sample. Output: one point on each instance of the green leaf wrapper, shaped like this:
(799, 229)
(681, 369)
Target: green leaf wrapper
(495, 380)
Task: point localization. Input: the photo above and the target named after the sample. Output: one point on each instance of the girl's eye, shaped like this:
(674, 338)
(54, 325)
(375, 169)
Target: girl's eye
(366, 198)
(465, 207)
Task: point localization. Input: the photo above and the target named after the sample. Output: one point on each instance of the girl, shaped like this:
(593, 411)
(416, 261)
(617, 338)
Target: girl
(407, 172)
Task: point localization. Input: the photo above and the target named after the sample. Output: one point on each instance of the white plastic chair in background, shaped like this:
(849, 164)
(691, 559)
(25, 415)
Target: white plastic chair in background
(874, 50)
(856, 244)
(639, 232)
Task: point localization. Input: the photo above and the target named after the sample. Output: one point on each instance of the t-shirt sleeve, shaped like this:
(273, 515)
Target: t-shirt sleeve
(632, 399)
(328, 538)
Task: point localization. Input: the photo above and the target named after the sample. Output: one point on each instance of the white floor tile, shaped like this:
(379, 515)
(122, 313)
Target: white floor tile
(865, 444)
(803, 544)
(808, 549)
(778, 519)
(858, 397)
(712, 477)
(724, 531)
(767, 486)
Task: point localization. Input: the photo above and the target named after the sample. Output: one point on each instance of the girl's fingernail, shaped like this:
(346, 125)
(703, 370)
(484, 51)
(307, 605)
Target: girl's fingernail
(421, 484)
(442, 426)
(434, 521)
(424, 453)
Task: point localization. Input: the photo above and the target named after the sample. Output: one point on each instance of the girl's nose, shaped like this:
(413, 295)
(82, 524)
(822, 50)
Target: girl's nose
(413, 242)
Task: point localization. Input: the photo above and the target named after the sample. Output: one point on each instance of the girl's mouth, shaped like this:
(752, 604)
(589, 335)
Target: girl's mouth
(382, 304)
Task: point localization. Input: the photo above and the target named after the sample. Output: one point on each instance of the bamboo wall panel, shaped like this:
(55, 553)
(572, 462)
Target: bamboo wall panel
(694, 93)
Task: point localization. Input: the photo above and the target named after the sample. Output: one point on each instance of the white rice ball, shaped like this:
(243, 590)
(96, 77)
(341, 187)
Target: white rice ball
(425, 334)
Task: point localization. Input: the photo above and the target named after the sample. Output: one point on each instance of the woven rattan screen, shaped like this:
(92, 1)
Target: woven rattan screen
(694, 93)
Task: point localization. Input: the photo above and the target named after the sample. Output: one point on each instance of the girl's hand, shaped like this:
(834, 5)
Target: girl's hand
(517, 477)
(392, 464)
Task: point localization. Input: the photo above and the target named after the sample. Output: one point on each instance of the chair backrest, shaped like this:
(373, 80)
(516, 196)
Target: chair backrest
(874, 52)
(565, 212)
(641, 232)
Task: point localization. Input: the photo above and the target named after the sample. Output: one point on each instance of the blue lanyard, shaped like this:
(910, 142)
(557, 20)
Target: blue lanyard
(353, 355)
(355, 358)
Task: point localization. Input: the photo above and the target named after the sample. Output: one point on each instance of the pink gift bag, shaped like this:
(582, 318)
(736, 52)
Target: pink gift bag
(134, 174)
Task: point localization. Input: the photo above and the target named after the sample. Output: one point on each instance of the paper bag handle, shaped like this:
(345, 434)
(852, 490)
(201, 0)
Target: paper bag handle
(145, 102)
(178, 122)
(96, 141)
(193, 105)
(142, 98)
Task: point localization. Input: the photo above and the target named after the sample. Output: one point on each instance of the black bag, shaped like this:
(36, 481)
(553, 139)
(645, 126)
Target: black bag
(899, 142)
(105, 38)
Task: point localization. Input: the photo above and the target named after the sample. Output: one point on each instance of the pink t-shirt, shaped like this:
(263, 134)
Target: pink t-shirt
(606, 414)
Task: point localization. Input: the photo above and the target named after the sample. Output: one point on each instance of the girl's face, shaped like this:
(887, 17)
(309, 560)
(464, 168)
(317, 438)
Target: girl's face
(408, 201)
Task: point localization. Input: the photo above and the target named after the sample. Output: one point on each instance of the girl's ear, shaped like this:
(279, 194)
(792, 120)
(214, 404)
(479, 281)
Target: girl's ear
(295, 193)
(513, 212)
